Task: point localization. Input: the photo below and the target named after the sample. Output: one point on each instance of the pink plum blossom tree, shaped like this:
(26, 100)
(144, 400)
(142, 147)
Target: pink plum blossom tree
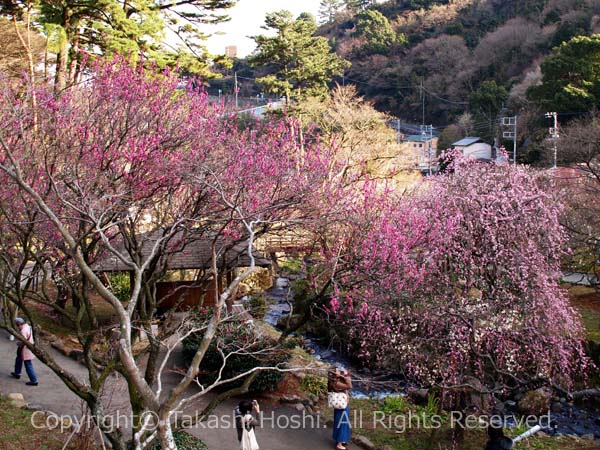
(457, 286)
(126, 167)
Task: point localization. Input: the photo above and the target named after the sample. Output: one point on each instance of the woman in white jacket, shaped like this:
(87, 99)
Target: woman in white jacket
(245, 423)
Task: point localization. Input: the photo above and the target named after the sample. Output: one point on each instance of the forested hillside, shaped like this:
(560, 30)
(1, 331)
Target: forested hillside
(452, 47)
(461, 64)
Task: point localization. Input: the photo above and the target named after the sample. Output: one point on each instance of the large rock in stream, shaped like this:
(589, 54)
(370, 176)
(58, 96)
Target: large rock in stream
(294, 321)
(535, 403)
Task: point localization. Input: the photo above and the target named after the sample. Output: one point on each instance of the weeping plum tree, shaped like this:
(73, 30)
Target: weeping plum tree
(127, 168)
(457, 286)
(580, 148)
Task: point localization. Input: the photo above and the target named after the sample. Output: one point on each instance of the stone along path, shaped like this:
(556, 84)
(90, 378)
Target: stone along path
(283, 428)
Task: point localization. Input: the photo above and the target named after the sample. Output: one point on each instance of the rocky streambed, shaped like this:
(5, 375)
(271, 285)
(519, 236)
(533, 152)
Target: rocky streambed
(568, 418)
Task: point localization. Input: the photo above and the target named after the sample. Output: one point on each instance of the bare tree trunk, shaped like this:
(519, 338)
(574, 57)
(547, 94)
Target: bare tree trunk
(26, 43)
(153, 354)
(46, 54)
(73, 61)
(60, 81)
(114, 436)
(62, 59)
(165, 434)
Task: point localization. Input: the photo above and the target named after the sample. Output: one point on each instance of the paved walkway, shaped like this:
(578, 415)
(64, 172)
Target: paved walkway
(283, 428)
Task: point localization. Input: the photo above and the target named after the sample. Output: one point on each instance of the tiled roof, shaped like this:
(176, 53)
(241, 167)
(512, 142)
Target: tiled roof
(185, 250)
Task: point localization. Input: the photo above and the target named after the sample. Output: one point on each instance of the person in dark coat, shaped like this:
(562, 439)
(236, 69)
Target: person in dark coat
(496, 438)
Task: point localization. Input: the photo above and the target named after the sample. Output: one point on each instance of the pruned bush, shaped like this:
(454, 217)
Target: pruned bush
(120, 285)
(243, 349)
(314, 385)
(258, 306)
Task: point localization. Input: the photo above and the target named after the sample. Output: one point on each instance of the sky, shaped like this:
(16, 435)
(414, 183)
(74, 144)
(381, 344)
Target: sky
(247, 17)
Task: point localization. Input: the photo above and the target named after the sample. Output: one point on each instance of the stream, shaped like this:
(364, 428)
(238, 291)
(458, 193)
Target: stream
(277, 304)
(569, 419)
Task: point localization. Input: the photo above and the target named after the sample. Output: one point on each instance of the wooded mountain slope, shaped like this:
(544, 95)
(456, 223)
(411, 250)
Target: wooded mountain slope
(452, 47)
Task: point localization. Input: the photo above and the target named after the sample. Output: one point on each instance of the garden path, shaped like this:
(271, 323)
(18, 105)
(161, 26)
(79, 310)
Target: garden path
(278, 432)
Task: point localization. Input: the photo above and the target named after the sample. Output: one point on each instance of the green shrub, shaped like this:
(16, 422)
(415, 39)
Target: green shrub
(120, 285)
(184, 441)
(258, 306)
(291, 264)
(292, 342)
(314, 385)
(233, 337)
(394, 405)
(302, 296)
(455, 28)
(432, 406)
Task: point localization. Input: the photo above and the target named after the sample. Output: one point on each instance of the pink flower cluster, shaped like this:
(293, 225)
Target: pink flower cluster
(458, 280)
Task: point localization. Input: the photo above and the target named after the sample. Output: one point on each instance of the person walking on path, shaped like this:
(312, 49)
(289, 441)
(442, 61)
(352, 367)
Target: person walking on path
(338, 385)
(245, 423)
(24, 355)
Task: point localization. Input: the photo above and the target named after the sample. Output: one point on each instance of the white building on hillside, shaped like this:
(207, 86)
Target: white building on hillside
(474, 147)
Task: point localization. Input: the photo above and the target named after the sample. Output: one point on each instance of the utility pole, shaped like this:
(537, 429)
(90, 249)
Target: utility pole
(422, 103)
(235, 88)
(427, 132)
(511, 122)
(554, 135)
(430, 145)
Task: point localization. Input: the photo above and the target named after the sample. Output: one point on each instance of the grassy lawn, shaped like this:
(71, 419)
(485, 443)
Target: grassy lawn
(18, 433)
(393, 429)
(587, 302)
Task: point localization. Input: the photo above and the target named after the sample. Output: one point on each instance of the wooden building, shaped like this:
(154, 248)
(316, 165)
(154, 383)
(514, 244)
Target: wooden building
(186, 262)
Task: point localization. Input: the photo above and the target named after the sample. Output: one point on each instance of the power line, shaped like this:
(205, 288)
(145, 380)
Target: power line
(476, 126)
(443, 99)
(412, 87)
(378, 85)
(386, 86)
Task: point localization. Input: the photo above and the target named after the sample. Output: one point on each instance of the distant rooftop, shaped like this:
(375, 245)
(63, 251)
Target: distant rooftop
(465, 142)
(417, 138)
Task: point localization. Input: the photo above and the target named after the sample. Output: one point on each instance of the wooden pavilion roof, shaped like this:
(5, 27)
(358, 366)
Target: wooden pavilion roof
(186, 250)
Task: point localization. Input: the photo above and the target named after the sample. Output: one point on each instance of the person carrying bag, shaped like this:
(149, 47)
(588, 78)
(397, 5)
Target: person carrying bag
(24, 355)
(338, 385)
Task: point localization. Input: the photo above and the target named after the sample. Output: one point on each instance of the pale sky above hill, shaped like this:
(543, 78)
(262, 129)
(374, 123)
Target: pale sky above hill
(247, 17)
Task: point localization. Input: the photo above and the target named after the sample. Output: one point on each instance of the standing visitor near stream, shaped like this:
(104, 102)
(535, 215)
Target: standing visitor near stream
(338, 385)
